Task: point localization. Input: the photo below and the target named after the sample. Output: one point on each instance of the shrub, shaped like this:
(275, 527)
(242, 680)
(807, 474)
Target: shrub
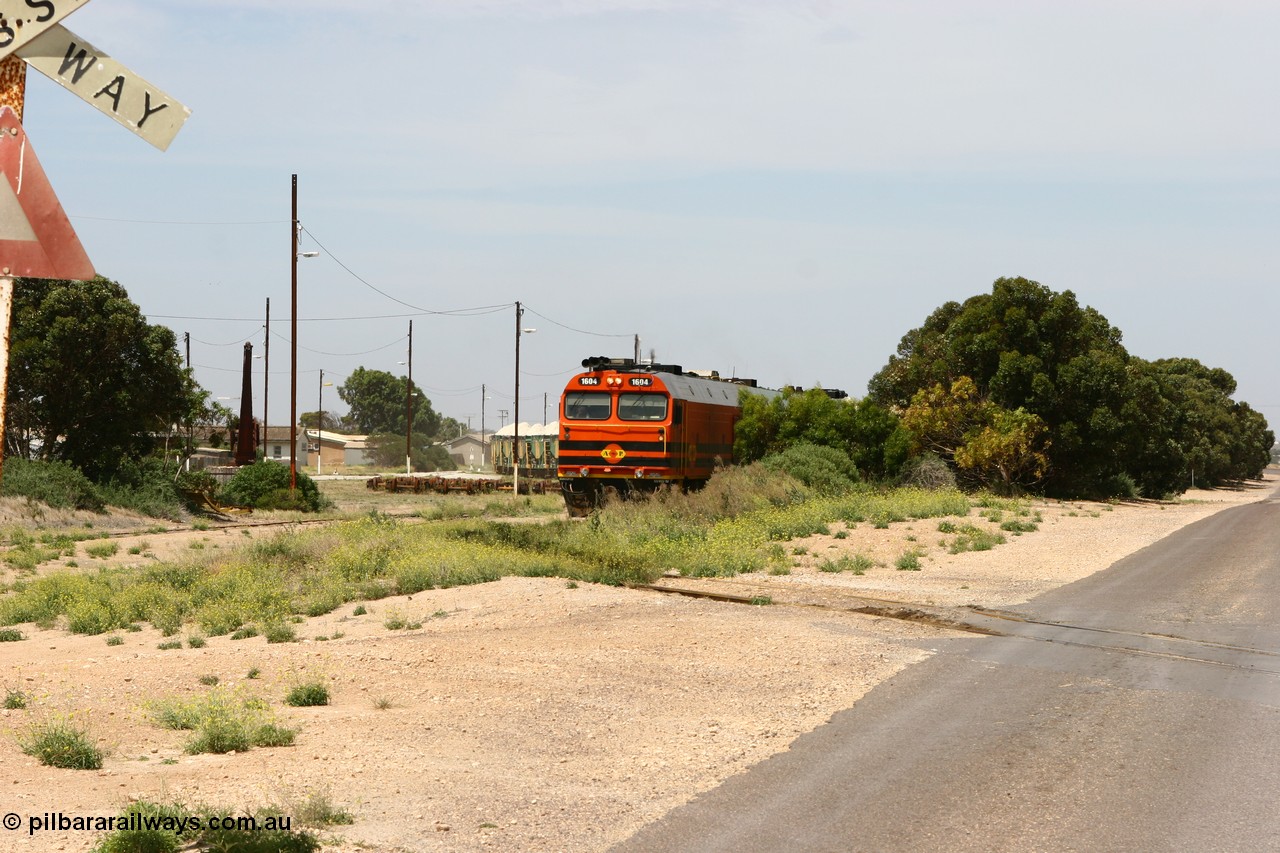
(14, 700)
(61, 742)
(927, 471)
(308, 695)
(826, 470)
(103, 550)
(857, 564)
(274, 734)
(908, 562)
(1017, 527)
(278, 632)
(145, 486)
(970, 538)
(58, 484)
(155, 840)
(317, 809)
(1121, 486)
(10, 635)
(265, 485)
(222, 721)
(163, 835)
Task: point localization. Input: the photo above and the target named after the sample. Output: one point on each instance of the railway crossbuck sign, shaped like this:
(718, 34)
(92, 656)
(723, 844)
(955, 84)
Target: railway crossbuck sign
(22, 21)
(36, 238)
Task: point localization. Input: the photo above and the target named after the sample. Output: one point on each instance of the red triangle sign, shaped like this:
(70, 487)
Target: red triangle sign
(36, 238)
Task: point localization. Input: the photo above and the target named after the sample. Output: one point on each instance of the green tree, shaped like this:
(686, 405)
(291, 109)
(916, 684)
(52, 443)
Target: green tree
(450, 429)
(1110, 419)
(867, 433)
(378, 404)
(331, 420)
(1188, 429)
(989, 446)
(91, 382)
(1025, 346)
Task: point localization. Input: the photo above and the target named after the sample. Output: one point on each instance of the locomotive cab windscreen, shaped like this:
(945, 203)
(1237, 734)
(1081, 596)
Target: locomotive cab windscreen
(587, 405)
(642, 407)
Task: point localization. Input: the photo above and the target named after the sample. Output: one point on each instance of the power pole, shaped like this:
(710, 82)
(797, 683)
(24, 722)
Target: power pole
(515, 444)
(293, 344)
(408, 403)
(266, 376)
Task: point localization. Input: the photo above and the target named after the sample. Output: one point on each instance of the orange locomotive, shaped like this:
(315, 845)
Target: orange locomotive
(626, 427)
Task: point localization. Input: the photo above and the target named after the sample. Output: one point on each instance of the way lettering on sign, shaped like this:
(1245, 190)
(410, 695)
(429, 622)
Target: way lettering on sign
(22, 21)
(109, 86)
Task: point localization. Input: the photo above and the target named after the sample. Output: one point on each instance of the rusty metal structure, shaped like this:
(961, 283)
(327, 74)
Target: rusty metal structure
(247, 438)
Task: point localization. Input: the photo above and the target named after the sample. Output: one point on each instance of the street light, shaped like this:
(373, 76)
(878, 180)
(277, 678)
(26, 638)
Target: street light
(515, 445)
(320, 423)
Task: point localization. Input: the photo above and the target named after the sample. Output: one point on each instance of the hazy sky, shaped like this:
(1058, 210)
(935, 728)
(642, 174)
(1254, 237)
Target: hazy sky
(777, 189)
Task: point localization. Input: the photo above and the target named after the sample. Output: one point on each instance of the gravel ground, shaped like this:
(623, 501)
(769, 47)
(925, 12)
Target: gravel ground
(531, 714)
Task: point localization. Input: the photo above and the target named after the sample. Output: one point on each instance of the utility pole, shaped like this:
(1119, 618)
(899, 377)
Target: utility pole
(266, 376)
(408, 403)
(484, 453)
(13, 94)
(293, 344)
(191, 427)
(515, 444)
(320, 423)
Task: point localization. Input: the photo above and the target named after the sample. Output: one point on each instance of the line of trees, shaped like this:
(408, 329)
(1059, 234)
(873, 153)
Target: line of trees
(1017, 389)
(1022, 389)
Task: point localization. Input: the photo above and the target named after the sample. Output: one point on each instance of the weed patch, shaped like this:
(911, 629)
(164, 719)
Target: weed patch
(970, 538)
(308, 695)
(222, 721)
(59, 741)
(169, 828)
(857, 564)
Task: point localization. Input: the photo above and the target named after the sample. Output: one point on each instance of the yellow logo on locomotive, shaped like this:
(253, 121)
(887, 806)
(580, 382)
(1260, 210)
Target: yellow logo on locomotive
(613, 453)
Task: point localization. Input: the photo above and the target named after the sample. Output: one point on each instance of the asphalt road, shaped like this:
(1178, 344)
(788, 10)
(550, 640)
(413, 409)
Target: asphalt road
(1135, 710)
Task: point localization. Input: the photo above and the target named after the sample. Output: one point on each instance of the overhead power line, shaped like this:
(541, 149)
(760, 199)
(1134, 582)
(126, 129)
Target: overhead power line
(579, 331)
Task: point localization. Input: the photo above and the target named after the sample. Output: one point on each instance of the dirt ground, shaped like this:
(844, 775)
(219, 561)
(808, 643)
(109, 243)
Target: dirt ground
(527, 714)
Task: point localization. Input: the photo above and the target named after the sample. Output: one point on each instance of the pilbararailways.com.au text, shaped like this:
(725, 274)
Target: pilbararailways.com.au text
(134, 822)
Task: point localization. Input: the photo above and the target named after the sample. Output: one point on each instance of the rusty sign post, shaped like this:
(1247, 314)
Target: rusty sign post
(36, 238)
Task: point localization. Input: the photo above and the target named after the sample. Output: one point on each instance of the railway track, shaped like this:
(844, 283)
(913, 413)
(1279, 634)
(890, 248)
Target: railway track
(739, 591)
